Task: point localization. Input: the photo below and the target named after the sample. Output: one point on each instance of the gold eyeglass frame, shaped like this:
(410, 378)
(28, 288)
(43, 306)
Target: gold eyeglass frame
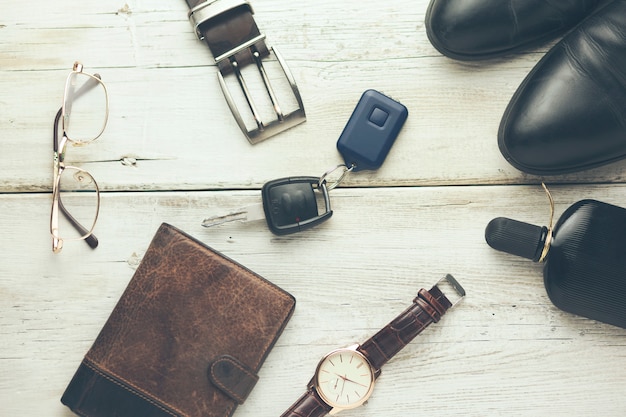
(59, 165)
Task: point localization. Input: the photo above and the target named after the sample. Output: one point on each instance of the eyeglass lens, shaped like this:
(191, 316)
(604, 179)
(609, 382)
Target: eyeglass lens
(78, 198)
(84, 108)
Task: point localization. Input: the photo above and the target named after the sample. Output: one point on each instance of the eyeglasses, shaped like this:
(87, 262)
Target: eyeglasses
(75, 193)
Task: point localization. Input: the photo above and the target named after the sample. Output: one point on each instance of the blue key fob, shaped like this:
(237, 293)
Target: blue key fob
(371, 131)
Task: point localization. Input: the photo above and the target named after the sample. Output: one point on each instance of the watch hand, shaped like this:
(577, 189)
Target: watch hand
(349, 380)
(344, 378)
(357, 383)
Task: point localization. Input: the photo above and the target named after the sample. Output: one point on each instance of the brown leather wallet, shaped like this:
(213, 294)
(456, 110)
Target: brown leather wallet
(229, 29)
(186, 338)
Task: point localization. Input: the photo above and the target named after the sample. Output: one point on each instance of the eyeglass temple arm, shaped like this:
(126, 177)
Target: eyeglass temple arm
(55, 133)
(91, 240)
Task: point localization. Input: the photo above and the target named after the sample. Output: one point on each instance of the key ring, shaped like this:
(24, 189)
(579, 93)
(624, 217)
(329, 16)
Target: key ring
(292, 204)
(345, 172)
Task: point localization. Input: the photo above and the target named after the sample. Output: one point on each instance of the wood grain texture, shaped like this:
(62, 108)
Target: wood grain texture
(173, 153)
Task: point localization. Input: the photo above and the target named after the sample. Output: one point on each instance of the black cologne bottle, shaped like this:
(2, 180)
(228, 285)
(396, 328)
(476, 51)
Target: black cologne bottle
(584, 255)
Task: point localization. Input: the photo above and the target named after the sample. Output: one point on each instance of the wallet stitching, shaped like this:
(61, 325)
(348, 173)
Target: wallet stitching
(135, 391)
(230, 392)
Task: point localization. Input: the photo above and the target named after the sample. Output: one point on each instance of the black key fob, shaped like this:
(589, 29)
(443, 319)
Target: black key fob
(371, 131)
(290, 204)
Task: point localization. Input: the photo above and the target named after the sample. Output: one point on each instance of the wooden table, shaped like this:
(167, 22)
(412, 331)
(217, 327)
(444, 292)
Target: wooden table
(172, 152)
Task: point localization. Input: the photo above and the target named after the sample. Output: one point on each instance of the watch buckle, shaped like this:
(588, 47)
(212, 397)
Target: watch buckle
(451, 289)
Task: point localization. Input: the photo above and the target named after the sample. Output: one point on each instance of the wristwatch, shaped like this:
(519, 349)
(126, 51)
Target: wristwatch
(345, 378)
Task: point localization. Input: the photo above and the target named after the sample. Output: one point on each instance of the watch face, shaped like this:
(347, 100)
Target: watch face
(344, 378)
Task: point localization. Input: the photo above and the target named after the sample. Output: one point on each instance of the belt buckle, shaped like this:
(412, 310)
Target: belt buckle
(283, 121)
(260, 129)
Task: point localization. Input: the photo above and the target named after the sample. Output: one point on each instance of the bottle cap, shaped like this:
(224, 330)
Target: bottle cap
(517, 238)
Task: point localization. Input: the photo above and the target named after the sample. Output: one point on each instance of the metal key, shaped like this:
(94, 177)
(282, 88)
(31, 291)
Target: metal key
(246, 214)
(289, 205)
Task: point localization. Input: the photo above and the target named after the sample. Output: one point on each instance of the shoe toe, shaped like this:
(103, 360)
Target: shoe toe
(569, 114)
(463, 28)
(479, 29)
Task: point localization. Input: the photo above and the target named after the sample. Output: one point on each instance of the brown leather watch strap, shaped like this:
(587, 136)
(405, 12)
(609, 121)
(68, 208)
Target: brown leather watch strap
(228, 31)
(427, 308)
(309, 405)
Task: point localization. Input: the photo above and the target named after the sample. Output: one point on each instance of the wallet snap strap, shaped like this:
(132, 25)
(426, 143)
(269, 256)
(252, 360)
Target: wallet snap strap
(232, 377)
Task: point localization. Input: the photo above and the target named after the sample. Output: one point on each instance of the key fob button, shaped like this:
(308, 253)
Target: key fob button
(290, 204)
(378, 116)
(293, 202)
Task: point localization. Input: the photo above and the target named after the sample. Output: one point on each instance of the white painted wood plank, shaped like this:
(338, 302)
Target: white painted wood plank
(168, 112)
(504, 350)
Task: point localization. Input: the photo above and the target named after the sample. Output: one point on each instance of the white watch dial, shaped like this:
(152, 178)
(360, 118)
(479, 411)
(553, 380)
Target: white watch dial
(344, 378)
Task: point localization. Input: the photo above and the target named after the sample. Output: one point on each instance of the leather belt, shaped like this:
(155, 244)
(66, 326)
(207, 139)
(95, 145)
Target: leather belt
(229, 29)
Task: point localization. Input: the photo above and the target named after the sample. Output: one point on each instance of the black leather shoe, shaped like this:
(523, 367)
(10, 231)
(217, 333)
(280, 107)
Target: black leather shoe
(569, 114)
(480, 29)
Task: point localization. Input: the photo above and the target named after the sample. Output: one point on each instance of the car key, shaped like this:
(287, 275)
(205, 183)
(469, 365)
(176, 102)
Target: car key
(246, 214)
(289, 205)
